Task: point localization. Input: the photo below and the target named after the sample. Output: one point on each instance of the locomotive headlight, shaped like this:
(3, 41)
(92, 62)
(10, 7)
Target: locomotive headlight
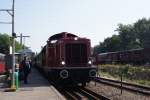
(75, 38)
(63, 63)
(90, 62)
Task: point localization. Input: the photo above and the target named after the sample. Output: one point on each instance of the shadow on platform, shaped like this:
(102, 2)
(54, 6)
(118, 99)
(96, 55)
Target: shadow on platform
(35, 79)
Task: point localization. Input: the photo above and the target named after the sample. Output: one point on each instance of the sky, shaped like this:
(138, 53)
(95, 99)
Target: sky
(93, 19)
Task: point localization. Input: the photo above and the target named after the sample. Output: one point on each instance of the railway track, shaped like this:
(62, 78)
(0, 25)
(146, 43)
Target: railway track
(77, 92)
(127, 86)
(80, 93)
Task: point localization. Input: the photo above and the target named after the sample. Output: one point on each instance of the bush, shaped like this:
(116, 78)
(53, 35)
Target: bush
(129, 72)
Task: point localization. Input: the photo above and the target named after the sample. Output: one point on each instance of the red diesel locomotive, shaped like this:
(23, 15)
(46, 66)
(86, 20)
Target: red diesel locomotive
(2, 63)
(65, 59)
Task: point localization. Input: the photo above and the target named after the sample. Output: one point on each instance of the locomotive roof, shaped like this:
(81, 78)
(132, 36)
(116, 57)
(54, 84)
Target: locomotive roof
(62, 35)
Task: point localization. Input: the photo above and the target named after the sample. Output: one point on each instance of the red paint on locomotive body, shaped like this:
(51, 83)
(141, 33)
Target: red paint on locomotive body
(64, 48)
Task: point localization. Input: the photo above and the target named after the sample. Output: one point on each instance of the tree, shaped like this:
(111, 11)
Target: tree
(131, 36)
(142, 30)
(109, 45)
(5, 42)
(128, 37)
(18, 46)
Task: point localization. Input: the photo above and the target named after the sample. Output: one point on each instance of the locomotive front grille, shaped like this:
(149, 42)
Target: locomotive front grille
(76, 54)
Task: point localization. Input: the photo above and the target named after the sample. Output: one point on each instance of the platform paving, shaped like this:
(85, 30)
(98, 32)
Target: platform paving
(37, 89)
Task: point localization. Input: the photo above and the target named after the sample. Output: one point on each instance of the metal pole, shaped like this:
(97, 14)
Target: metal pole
(21, 39)
(121, 81)
(13, 48)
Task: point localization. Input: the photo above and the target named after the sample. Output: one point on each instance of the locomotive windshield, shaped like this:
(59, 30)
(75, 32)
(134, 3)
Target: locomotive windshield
(76, 53)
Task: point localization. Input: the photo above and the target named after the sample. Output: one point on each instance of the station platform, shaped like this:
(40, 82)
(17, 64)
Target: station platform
(38, 88)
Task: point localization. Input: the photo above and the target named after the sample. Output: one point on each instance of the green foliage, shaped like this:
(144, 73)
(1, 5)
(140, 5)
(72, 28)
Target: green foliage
(5, 42)
(139, 74)
(131, 36)
(18, 46)
(142, 29)
(109, 45)
(127, 37)
(123, 71)
(96, 50)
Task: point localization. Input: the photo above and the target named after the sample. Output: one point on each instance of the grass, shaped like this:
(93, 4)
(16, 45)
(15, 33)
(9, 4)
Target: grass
(133, 74)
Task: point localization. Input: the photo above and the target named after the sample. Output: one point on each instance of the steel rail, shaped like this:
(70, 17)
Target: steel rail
(78, 93)
(126, 86)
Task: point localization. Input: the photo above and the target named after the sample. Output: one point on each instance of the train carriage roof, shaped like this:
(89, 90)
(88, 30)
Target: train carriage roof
(121, 51)
(1, 54)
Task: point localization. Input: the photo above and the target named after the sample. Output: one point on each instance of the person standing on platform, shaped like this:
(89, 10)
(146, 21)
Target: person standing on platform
(26, 69)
